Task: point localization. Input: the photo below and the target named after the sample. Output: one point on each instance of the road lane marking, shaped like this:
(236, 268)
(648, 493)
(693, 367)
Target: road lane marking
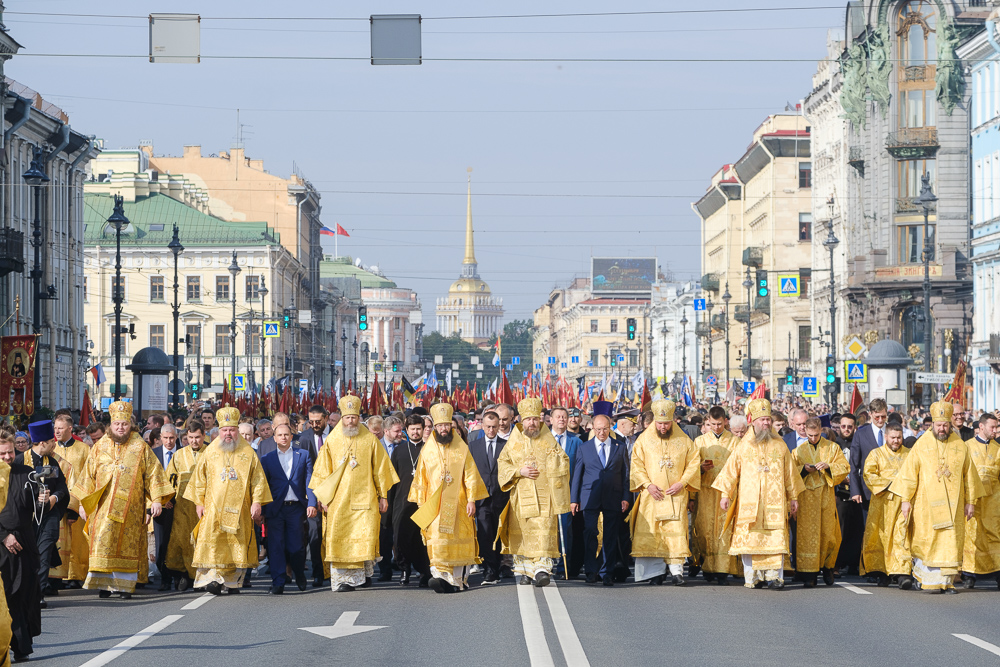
(194, 604)
(531, 622)
(344, 627)
(568, 639)
(976, 641)
(854, 589)
(132, 641)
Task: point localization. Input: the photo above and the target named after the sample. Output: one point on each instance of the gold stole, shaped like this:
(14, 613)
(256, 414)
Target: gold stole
(761, 457)
(941, 513)
(230, 493)
(443, 502)
(666, 509)
(812, 458)
(121, 492)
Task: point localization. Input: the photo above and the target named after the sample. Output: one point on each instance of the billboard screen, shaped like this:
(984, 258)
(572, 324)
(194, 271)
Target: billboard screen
(622, 274)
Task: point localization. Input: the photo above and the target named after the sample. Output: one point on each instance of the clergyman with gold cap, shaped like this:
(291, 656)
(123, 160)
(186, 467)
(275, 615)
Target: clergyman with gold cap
(535, 470)
(709, 536)
(939, 485)
(759, 485)
(121, 474)
(446, 486)
(666, 468)
(229, 490)
(351, 479)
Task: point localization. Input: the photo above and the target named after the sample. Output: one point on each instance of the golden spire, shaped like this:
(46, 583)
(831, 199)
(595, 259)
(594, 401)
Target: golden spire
(470, 252)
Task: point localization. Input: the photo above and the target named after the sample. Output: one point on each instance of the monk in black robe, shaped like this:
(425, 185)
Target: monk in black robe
(19, 561)
(410, 552)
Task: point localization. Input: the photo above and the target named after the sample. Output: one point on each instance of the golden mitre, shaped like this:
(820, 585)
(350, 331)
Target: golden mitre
(350, 405)
(758, 407)
(441, 413)
(942, 411)
(663, 411)
(530, 407)
(228, 417)
(120, 411)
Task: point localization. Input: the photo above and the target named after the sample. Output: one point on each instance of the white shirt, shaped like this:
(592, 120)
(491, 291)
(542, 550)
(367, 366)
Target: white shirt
(561, 439)
(286, 459)
(876, 430)
(607, 451)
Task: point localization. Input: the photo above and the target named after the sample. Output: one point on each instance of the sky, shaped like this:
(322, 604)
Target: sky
(573, 155)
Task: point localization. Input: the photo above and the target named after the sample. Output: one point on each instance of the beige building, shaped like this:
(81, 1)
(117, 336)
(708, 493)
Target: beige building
(757, 215)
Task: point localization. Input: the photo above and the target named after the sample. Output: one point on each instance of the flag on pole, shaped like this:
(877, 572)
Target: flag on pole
(496, 355)
(407, 390)
(85, 410)
(98, 372)
(957, 387)
(326, 231)
(856, 400)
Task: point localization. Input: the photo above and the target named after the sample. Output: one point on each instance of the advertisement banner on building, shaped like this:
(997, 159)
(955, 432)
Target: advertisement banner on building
(622, 275)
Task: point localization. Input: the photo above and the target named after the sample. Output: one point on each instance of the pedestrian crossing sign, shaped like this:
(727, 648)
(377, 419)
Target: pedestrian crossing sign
(788, 284)
(238, 382)
(855, 371)
(272, 329)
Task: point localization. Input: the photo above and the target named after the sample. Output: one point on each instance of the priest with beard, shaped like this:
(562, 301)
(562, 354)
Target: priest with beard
(411, 554)
(759, 485)
(121, 474)
(229, 490)
(19, 555)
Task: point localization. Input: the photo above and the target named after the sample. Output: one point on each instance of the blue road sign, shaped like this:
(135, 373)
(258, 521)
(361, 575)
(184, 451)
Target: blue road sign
(272, 329)
(538, 367)
(238, 382)
(516, 361)
(510, 367)
(552, 360)
(749, 386)
(810, 386)
(711, 380)
(338, 362)
(699, 304)
(788, 285)
(553, 371)
(856, 371)
(590, 362)
(564, 365)
(575, 360)
(525, 373)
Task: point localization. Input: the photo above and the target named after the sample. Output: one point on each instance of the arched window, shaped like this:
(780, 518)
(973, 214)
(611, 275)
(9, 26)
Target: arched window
(917, 54)
(396, 356)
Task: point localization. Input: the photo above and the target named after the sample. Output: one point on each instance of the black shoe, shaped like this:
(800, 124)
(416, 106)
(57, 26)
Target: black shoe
(760, 584)
(968, 582)
(776, 585)
(276, 590)
(301, 581)
(246, 581)
(368, 582)
(183, 584)
(722, 579)
(73, 585)
(164, 585)
(524, 580)
(951, 591)
(905, 583)
(657, 580)
(883, 581)
(104, 595)
(542, 579)
(385, 576)
(491, 579)
(609, 580)
(214, 587)
(317, 582)
(678, 580)
(125, 596)
(42, 604)
(49, 591)
(425, 581)
(809, 583)
(21, 657)
(693, 571)
(404, 579)
(441, 586)
(233, 591)
(344, 588)
(506, 572)
(591, 578)
(828, 576)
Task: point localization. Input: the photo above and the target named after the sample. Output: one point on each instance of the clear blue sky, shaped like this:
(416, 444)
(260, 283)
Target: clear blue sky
(388, 146)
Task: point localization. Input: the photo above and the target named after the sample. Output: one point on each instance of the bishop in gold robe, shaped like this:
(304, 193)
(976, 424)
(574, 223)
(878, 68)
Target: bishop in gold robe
(229, 490)
(351, 479)
(73, 547)
(180, 470)
(445, 489)
(666, 468)
(885, 550)
(709, 535)
(939, 485)
(121, 474)
(822, 467)
(535, 470)
(759, 486)
(982, 533)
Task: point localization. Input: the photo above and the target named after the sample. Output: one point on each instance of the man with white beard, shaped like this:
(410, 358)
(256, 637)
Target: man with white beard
(228, 489)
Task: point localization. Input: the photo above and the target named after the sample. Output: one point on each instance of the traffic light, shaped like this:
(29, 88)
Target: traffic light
(208, 375)
(789, 376)
(630, 326)
(614, 359)
(362, 318)
(287, 321)
(762, 287)
(195, 392)
(395, 367)
(831, 370)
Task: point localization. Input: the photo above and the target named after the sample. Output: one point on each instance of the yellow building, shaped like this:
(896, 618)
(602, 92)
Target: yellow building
(757, 215)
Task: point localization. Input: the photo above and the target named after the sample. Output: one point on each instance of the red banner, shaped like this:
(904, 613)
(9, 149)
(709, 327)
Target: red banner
(17, 374)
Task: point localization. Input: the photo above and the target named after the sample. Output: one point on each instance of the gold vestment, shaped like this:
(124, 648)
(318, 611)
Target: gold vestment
(74, 550)
(817, 539)
(709, 542)
(886, 547)
(180, 549)
(982, 532)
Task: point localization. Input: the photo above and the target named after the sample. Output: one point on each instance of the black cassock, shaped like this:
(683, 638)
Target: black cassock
(20, 571)
(407, 540)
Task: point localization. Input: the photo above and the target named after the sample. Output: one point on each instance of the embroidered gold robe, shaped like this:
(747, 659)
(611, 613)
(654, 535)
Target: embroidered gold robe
(180, 549)
(225, 537)
(760, 480)
(660, 527)
(445, 482)
(938, 479)
(709, 539)
(818, 537)
(113, 487)
(350, 475)
(886, 547)
(529, 524)
(982, 532)
(74, 550)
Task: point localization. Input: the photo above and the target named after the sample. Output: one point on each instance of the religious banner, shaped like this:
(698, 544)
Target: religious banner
(17, 374)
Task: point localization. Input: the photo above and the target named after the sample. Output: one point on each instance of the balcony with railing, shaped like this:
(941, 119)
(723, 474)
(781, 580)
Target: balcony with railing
(742, 313)
(753, 257)
(11, 251)
(762, 304)
(719, 321)
(702, 329)
(913, 142)
(710, 281)
(856, 158)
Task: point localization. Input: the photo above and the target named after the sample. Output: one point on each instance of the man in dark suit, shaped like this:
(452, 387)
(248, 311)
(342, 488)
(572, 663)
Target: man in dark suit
(600, 486)
(571, 540)
(288, 471)
(867, 438)
(797, 422)
(169, 444)
(311, 440)
(485, 448)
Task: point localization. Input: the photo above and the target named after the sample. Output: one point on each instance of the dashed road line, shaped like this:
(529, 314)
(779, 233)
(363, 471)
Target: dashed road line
(132, 642)
(197, 602)
(976, 641)
(854, 589)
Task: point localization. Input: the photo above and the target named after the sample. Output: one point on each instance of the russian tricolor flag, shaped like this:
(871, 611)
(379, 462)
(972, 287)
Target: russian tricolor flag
(326, 231)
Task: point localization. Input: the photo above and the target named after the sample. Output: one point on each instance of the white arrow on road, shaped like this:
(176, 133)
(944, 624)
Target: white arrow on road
(343, 627)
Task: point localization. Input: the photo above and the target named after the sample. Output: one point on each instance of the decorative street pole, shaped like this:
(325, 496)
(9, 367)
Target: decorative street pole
(35, 176)
(176, 248)
(263, 300)
(684, 347)
(234, 270)
(748, 283)
(119, 222)
(830, 242)
(925, 201)
(663, 333)
(726, 297)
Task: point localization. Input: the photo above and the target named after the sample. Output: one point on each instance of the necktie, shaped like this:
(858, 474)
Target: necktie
(561, 442)
(604, 457)
(880, 437)
(170, 455)
(489, 450)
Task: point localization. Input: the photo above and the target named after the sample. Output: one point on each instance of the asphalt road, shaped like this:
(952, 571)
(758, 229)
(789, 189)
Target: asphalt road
(567, 624)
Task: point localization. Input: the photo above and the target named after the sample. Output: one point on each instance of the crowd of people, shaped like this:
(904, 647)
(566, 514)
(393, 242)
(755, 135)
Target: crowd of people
(441, 500)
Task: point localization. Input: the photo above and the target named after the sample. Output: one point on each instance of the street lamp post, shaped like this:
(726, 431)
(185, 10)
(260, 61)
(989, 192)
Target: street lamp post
(708, 309)
(925, 201)
(726, 296)
(343, 356)
(234, 270)
(366, 354)
(176, 248)
(263, 296)
(663, 333)
(684, 347)
(119, 222)
(35, 177)
(748, 283)
(830, 242)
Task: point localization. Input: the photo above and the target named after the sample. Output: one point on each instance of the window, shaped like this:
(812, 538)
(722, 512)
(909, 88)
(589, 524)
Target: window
(123, 337)
(614, 326)
(222, 288)
(156, 288)
(253, 288)
(910, 173)
(118, 287)
(595, 357)
(633, 357)
(916, 30)
(397, 323)
(593, 326)
(251, 333)
(805, 226)
(85, 289)
(805, 277)
(395, 349)
(917, 108)
(805, 342)
(193, 333)
(158, 337)
(805, 174)
(194, 288)
(911, 243)
(222, 339)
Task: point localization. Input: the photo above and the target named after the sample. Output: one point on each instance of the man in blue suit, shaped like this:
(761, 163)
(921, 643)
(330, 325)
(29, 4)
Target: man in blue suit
(600, 487)
(867, 438)
(572, 548)
(485, 447)
(287, 470)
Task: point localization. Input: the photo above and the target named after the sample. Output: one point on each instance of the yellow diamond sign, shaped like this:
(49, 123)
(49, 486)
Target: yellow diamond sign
(855, 348)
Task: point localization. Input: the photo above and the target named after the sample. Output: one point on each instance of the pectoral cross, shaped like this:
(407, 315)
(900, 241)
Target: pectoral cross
(763, 468)
(446, 477)
(667, 463)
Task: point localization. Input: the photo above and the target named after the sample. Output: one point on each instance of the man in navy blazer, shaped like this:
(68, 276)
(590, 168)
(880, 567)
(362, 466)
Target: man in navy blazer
(169, 444)
(571, 539)
(866, 438)
(797, 422)
(287, 470)
(485, 447)
(600, 486)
